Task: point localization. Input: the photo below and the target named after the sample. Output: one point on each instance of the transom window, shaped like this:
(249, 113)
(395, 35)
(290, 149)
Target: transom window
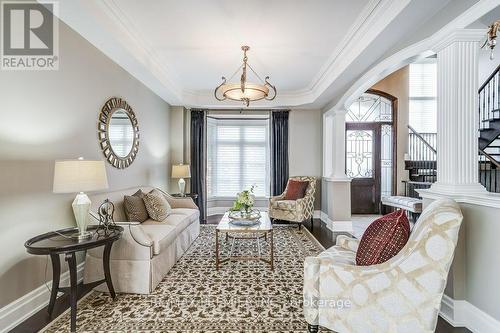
(370, 108)
(238, 156)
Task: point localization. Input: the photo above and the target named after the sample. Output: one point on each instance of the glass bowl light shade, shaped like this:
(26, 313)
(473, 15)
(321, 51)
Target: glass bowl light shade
(253, 92)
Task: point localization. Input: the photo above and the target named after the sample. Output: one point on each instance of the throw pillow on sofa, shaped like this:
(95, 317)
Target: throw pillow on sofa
(135, 209)
(296, 189)
(157, 205)
(383, 239)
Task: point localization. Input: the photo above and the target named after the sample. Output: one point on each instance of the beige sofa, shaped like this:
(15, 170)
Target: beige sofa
(146, 251)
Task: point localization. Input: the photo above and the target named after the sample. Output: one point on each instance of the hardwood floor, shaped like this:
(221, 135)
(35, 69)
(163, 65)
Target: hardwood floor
(324, 235)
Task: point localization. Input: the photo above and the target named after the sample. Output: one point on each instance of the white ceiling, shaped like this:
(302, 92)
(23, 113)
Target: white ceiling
(312, 50)
(198, 41)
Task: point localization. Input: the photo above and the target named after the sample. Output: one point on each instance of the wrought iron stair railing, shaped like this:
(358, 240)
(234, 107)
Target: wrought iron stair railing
(489, 132)
(421, 163)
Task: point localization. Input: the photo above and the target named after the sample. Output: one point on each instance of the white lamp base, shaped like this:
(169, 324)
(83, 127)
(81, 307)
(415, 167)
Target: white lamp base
(81, 208)
(182, 186)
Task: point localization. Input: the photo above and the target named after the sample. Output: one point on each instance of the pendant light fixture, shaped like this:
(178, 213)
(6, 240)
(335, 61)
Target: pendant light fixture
(245, 91)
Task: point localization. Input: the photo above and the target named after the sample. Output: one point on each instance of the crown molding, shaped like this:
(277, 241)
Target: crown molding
(105, 25)
(414, 52)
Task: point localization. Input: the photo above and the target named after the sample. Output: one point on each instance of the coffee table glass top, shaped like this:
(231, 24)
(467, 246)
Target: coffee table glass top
(264, 225)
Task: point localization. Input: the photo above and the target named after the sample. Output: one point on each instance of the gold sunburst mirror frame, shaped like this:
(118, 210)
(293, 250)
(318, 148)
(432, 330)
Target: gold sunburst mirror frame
(120, 151)
(244, 91)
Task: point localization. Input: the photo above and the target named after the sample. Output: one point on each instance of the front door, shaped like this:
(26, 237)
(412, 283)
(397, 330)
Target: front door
(363, 166)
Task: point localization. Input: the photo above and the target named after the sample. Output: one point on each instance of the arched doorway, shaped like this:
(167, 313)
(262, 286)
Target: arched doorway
(371, 150)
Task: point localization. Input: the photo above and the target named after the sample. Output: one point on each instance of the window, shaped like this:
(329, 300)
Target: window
(238, 156)
(423, 92)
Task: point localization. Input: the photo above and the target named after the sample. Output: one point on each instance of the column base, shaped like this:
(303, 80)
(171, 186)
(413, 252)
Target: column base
(458, 189)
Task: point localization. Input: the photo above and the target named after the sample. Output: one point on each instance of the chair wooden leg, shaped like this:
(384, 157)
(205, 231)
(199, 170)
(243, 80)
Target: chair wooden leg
(312, 328)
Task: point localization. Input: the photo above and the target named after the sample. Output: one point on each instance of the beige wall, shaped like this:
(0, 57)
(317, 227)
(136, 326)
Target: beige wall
(396, 84)
(53, 115)
(475, 270)
(305, 146)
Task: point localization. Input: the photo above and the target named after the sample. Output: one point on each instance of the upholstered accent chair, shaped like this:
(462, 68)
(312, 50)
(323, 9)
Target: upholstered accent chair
(294, 210)
(402, 294)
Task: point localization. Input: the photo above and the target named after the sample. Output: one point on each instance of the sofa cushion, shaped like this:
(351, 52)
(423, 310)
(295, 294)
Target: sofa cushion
(134, 206)
(296, 189)
(157, 205)
(191, 213)
(383, 239)
(178, 221)
(161, 234)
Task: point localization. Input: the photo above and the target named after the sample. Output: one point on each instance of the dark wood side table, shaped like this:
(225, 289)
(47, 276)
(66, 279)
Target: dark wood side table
(59, 242)
(193, 196)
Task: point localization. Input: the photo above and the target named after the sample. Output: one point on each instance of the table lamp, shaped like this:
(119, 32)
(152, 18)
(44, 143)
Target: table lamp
(79, 176)
(181, 171)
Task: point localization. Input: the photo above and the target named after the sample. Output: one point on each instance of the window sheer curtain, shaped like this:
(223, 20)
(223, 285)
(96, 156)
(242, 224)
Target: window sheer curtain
(279, 151)
(237, 156)
(198, 159)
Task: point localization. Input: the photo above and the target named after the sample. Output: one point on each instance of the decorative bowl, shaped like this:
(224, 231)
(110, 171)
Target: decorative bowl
(243, 218)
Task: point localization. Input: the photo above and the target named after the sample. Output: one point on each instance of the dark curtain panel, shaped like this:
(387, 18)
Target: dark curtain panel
(198, 159)
(279, 151)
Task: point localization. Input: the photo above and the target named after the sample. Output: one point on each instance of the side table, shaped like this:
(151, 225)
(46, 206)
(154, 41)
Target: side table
(59, 242)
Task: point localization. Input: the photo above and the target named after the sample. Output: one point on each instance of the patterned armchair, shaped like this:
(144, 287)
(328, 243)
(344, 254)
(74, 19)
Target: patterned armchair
(401, 295)
(294, 210)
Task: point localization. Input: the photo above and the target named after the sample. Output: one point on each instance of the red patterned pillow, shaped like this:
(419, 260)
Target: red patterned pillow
(296, 189)
(383, 239)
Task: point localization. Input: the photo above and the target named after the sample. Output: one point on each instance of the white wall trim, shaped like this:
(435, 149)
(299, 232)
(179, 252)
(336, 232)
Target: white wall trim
(336, 226)
(24, 307)
(460, 313)
(486, 199)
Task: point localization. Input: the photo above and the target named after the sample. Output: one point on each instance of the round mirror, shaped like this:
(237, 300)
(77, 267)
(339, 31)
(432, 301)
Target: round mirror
(118, 133)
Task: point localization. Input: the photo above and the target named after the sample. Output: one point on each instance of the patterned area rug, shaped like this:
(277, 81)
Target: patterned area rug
(243, 296)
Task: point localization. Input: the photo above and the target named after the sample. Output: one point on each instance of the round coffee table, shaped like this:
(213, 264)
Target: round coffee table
(59, 242)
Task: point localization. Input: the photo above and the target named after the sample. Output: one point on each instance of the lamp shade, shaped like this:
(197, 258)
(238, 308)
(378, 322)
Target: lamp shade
(181, 171)
(71, 176)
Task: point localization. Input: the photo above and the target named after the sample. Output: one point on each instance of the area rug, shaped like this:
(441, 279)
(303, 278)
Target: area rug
(243, 296)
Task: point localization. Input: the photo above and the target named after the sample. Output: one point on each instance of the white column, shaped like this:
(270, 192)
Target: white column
(339, 145)
(338, 185)
(457, 113)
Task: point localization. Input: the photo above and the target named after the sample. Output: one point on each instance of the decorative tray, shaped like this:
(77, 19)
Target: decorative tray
(244, 219)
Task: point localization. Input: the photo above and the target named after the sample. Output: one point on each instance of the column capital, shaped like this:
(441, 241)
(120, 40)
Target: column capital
(460, 35)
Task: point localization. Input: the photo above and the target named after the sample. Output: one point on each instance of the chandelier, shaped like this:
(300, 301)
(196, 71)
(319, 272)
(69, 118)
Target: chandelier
(491, 38)
(245, 91)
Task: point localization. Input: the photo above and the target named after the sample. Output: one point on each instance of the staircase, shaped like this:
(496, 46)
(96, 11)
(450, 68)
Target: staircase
(420, 162)
(489, 132)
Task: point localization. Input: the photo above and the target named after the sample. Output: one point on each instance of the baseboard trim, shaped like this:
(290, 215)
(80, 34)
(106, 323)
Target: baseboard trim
(460, 313)
(24, 307)
(336, 226)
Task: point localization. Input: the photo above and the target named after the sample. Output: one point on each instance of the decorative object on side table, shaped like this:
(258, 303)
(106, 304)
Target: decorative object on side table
(106, 219)
(79, 176)
(59, 242)
(181, 171)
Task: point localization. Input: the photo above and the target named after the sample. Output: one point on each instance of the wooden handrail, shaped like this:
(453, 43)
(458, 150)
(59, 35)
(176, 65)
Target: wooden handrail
(489, 157)
(422, 138)
(416, 183)
(489, 78)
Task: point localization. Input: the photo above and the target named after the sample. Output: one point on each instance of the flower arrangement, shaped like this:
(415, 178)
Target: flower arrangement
(244, 201)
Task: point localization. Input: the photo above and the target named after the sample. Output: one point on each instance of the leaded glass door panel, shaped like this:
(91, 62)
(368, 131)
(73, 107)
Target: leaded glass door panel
(362, 160)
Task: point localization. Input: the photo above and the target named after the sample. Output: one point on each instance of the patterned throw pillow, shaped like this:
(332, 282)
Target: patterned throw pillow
(296, 189)
(157, 205)
(135, 209)
(383, 239)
